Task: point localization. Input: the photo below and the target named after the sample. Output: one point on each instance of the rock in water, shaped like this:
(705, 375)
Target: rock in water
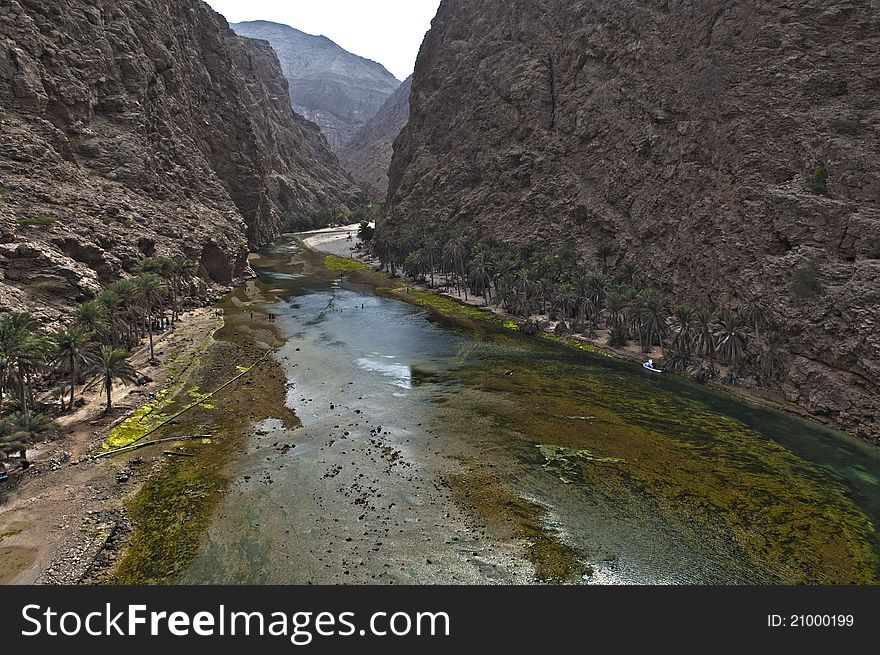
(138, 129)
(690, 139)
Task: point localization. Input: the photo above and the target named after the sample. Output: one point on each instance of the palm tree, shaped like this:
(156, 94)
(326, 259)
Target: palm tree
(653, 322)
(604, 252)
(383, 247)
(456, 254)
(481, 274)
(72, 354)
(433, 252)
(182, 271)
(704, 341)
(566, 300)
(756, 317)
(770, 359)
(415, 264)
(615, 303)
(731, 338)
(682, 328)
(113, 306)
(21, 430)
(627, 274)
(596, 285)
(150, 290)
(91, 316)
(23, 353)
(112, 364)
(126, 290)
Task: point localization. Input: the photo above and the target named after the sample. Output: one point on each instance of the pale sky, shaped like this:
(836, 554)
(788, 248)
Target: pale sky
(387, 31)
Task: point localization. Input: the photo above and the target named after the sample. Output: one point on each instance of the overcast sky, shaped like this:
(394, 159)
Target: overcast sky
(387, 31)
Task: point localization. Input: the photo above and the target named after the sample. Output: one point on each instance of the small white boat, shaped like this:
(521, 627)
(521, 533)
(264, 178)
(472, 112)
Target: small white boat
(649, 365)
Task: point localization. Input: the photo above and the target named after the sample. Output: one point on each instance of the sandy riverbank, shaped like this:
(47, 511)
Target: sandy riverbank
(57, 519)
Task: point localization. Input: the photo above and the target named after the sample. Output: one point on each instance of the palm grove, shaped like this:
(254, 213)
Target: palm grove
(41, 371)
(703, 342)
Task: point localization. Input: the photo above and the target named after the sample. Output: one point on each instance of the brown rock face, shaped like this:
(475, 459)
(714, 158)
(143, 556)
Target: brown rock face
(368, 156)
(687, 136)
(138, 129)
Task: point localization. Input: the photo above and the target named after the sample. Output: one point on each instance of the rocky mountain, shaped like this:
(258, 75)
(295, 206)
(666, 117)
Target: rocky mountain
(368, 156)
(328, 85)
(133, 129)
(696, 139)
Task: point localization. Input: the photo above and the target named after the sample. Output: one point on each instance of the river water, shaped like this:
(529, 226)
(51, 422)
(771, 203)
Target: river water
(438, 450)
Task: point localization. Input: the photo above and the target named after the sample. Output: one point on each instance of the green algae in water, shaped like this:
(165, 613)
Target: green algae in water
(791, 517)
(564, 459)
(342, 265)
(142, 420)
(170, 513)
(511, 516)
(443, 304)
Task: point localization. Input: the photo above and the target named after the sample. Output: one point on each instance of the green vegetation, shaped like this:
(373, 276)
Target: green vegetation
(678, 451)
(319, 219)
(91, 351)
(37, 220)
(366, 232)
(9, 533)
(141, 421)
(340, 264)
(819, 183)
(581, 296)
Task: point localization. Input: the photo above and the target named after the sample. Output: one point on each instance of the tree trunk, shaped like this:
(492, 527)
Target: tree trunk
(150, 332)
(108, 386)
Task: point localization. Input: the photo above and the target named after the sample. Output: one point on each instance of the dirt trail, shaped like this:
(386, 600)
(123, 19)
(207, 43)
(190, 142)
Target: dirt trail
(56, 520)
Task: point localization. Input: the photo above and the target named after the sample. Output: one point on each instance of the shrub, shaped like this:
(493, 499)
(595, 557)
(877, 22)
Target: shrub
(819, 183)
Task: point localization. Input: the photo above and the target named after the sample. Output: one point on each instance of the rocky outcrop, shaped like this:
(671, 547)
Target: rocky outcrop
(688, 136)
(328, 85)
(138, 129)
(368, 156)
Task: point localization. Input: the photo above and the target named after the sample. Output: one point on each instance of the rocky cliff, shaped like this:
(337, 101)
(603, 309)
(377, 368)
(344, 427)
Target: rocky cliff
(132, 129)
(328, 85)
(689, 134)
(368, 155)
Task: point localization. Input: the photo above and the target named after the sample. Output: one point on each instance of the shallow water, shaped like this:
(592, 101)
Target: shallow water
(437, 451)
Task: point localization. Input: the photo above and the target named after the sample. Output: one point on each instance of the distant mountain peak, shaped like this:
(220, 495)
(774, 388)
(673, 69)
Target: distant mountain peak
(338, 90)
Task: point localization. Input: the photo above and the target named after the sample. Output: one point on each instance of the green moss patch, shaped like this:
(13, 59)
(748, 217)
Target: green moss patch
(145, 418)
(9, 533)
(564, 459)
(342, 265)
(509, 516)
